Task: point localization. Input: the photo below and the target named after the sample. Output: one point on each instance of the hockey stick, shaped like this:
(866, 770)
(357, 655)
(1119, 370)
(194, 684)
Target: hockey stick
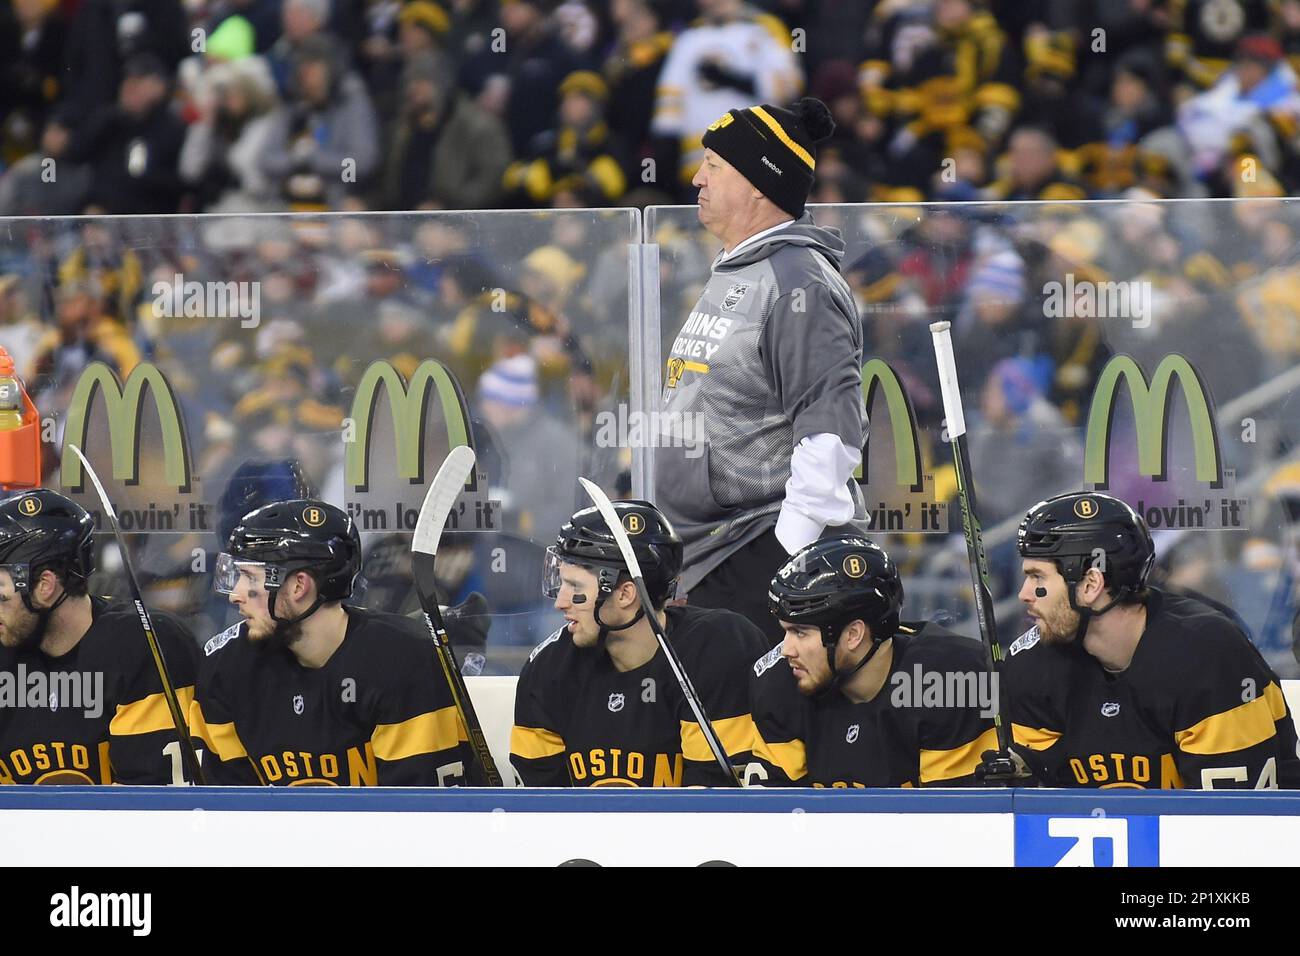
(188, 756)
(438, 502)
(970, 523)
(634, 569)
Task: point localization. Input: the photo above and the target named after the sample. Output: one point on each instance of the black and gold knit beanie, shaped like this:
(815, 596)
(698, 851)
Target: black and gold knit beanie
(774, 148)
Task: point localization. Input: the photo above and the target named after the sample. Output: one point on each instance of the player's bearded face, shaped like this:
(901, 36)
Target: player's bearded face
(17, 624)
(1057, 623)
(804, 651)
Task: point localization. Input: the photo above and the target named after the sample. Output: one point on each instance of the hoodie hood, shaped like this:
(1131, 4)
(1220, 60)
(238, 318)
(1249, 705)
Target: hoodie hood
(801, 232)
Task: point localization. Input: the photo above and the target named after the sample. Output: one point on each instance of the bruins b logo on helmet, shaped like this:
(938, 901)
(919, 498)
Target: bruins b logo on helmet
(634, 523)
(313, 517)
(854, 566)
(30, 506)
(1085, 508)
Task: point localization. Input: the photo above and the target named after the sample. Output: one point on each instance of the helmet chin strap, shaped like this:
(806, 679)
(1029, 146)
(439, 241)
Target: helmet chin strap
(282, 622)
(839, 677)
(1086, 614)
(42, 614)
(606, 628)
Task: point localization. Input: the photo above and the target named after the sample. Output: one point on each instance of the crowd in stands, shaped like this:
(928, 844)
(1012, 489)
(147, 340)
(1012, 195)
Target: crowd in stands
(157, 106)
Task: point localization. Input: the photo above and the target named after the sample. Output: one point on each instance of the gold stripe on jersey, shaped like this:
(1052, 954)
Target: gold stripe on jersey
(533, 743)
(791, 756)
(221, 739)
(148, 715)
(1035, 738)
(1238, 728)
(424, 734)
(736, 734)
(958, 762)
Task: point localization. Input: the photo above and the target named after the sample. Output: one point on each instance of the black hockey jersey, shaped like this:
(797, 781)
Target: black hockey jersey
(378, 713)
(1197, 707)
(580, 722)
(96, 715)
(925, 727)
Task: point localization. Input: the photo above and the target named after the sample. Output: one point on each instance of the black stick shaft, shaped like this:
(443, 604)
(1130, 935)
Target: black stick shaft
(455, 681)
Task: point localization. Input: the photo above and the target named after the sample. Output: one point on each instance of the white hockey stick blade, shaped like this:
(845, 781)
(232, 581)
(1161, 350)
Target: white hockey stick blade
(606, 509)
(441, 496)
(94, 478)
(952, 410)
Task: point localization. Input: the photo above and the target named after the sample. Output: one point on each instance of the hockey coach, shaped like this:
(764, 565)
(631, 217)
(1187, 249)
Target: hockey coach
(767, 368)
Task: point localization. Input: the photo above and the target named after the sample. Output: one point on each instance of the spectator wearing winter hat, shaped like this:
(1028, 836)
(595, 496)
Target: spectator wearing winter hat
(992, 324)
(133, 146)
(1033, 170)
(632, 70)
(1020, 445)
(527, 438)
(580, 152)
(1253, 108)
(327, 129)
(442, 152)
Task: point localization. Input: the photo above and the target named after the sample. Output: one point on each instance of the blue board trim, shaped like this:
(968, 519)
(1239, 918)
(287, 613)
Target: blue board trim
(466, 800)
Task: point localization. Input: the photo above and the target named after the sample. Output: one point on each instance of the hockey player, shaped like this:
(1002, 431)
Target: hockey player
(306, 690)
(597, 704)
(854, 698)
(1120, 684)
(80, 697)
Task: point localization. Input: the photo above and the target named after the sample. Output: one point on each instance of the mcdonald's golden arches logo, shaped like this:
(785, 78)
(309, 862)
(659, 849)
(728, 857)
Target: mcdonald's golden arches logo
(1085, 508)
(634, 523)
(30, 506)
(854, 566)
(313, 517)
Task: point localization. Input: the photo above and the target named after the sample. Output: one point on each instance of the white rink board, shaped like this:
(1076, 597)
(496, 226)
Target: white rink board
(376, 838)
(1229, 841)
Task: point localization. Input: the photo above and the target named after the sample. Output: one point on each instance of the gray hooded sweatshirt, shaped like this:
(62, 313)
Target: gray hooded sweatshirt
(771, 354)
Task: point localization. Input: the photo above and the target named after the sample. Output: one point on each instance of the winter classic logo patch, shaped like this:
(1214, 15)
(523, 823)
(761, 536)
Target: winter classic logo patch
(734, 295)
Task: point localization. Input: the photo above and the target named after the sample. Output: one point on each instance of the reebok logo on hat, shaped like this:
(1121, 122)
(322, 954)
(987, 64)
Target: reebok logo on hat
(772, 166)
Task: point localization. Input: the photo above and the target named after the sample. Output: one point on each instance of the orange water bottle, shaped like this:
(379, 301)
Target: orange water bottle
(20, 436)
(11, 395)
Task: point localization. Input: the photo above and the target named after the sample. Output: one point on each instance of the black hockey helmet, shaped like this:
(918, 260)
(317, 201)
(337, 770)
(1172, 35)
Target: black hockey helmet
(305, 534)
(586, 540)
(837, 580)
(1081, 530)
(42, 529)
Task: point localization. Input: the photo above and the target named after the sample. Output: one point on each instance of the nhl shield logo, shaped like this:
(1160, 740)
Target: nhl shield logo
(1109, 709)
(54, 700)
(734, 295)
(297, 703)
(615, 703)
(852, 735)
